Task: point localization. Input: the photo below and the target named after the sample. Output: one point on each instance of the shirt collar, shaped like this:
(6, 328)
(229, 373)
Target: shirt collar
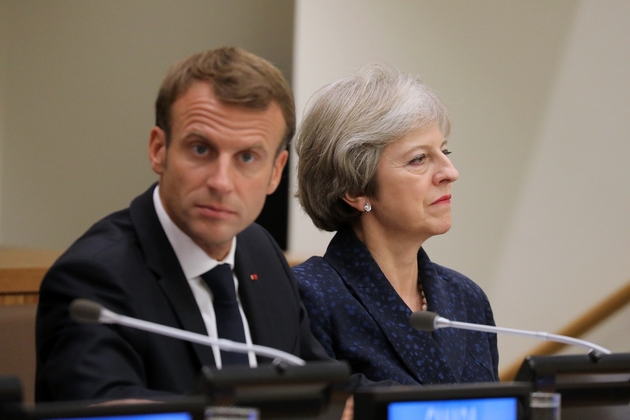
(192, 258)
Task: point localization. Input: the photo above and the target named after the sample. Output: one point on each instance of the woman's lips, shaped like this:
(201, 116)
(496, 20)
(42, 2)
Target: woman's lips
(443, 199)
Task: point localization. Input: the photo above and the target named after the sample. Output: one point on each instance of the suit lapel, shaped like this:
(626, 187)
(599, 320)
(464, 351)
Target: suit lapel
(264, 313)
(251, 294)
(267, 291)
(362, 275)
(161, 259)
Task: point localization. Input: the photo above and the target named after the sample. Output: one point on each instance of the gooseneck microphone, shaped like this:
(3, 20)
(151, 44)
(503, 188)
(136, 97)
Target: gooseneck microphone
(430, 321)
(84, 310)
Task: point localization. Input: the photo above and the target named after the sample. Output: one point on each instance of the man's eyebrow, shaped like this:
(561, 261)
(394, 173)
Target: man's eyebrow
(257, 145)
(195, 133)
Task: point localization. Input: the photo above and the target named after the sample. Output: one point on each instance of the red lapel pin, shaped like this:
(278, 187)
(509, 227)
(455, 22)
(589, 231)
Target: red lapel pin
(254, 276)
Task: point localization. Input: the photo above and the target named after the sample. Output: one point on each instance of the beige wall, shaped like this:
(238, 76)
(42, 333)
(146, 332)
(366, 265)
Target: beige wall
(78, 83)
(4, 40)
(539, 99)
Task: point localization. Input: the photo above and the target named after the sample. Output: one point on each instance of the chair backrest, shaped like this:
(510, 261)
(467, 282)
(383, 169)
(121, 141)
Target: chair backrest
(17, 346)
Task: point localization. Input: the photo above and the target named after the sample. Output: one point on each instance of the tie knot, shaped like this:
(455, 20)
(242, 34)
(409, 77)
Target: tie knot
(221, 283)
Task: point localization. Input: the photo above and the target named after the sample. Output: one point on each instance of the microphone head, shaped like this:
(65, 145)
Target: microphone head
(423, 320)
(84, 310)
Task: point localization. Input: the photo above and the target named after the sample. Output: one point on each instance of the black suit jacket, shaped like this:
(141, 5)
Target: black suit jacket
(126, 263)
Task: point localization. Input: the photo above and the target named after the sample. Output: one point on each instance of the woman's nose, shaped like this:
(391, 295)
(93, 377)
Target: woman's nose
(447, 172)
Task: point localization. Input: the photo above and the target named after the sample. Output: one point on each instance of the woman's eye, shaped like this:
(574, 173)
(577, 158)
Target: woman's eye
(446, 152)
(417, 160)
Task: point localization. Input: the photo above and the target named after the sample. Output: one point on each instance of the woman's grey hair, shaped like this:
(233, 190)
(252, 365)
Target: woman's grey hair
(344, 130)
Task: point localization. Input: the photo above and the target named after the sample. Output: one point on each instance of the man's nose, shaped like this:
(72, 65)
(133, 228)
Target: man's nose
(220, 174)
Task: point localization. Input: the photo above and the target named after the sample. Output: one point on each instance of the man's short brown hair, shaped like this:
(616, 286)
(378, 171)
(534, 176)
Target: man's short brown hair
(237, 77)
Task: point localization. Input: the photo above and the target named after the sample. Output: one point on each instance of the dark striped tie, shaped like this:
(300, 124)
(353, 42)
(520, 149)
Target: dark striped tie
(229, 321)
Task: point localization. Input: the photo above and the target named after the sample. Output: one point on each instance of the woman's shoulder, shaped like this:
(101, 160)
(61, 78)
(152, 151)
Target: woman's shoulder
(313, 268)
(320, 286)
(464, 282)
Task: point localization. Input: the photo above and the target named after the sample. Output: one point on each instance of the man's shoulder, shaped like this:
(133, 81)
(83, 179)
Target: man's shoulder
(116, 232)
(110, 241)
(254, 232)
(111, 229)
(255, 239)
(98, 263)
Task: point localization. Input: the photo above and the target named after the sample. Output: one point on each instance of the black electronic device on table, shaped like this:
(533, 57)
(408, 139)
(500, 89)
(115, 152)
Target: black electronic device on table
(593, 386)
(317, 390)
(479, 401)
(280, 391)
(185, 408)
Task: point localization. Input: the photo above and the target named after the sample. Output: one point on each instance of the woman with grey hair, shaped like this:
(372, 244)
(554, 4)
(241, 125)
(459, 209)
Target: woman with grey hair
(374, 167)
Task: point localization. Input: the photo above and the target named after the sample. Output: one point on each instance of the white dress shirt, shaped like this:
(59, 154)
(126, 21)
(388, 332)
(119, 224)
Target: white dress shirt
(195, 262)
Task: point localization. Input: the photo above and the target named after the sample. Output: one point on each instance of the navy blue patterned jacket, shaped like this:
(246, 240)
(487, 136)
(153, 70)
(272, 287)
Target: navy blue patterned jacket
(358, 316)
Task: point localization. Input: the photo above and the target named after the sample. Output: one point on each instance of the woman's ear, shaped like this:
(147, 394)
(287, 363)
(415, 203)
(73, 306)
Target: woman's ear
(356, 201)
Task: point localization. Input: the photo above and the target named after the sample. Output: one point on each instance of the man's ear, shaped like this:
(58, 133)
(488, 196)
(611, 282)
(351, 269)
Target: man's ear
(276, 171)
(157, 150)
(355, 201)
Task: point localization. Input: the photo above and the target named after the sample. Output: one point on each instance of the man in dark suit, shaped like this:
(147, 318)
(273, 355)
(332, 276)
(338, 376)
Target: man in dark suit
(223, 121)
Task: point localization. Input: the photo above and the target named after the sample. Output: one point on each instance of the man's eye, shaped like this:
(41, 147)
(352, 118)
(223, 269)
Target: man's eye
(200, 149)
(446, 152)
(247, 157)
